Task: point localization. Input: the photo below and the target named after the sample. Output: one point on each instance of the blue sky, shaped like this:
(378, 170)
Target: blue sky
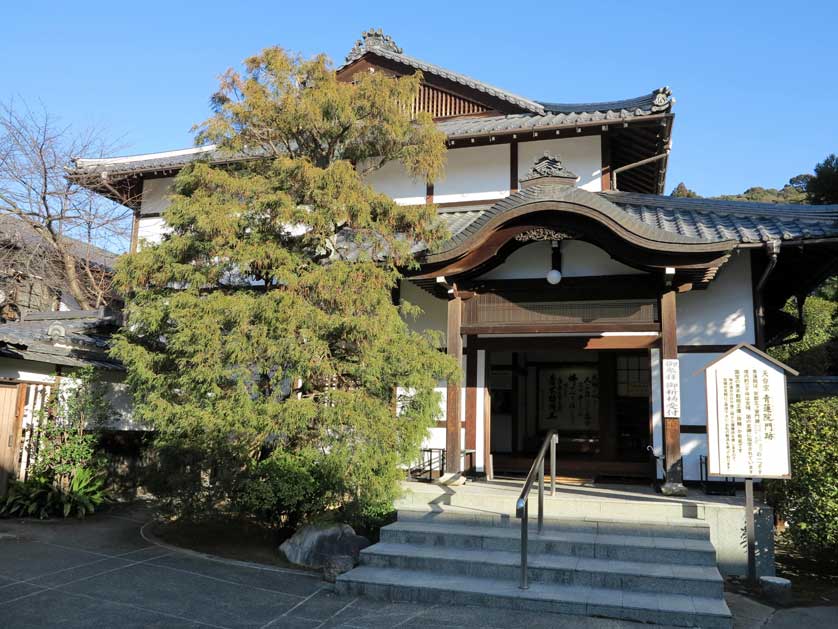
(756, 83)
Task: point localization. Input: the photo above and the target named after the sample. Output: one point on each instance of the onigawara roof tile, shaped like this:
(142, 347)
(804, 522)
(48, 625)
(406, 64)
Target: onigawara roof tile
(72, 338)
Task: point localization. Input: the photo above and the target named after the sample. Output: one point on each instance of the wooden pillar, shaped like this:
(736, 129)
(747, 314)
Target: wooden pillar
(453, 423)
(673, 464)
(605, 144)
(471, 396)
(513, 166)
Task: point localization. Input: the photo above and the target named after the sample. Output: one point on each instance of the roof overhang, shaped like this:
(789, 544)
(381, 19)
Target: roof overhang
(574, 213)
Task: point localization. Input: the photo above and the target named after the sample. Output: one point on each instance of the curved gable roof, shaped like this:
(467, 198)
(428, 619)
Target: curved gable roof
(571, 200)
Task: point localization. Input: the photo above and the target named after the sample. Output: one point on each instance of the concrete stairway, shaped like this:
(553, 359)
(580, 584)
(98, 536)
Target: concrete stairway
(654, 571)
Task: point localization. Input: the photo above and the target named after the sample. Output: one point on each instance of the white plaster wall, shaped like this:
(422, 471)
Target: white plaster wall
(26, 370)
(474, 174)
(434, 316)
(150, 230)
(579, 259)
(693, 409)
(723, 314)
(394, 181)
(582, 156)
(155, 195)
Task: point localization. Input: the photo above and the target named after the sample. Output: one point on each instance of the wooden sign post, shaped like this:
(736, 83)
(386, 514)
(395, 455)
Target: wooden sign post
(747, 423)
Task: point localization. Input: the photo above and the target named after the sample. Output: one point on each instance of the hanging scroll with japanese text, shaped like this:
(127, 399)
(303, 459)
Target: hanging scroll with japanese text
(747, 416)
(568, 398)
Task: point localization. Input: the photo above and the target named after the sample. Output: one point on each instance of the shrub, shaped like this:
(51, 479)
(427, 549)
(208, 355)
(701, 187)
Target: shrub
(809, 500)
(64, 475)
(815, 353)
(41, 498)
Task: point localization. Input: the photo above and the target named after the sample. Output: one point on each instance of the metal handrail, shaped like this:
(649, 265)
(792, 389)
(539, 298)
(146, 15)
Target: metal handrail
(522, 506)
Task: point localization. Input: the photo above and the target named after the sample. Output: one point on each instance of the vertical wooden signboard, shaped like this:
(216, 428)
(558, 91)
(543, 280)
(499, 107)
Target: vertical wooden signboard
(747, 423)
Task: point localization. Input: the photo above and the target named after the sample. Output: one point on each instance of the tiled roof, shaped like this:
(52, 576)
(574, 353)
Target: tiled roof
(74, 339)
(685, 220)
(559, 115)
(555, 115)
(714, 219)
(146, 163)
(376, 43)
(17, 232)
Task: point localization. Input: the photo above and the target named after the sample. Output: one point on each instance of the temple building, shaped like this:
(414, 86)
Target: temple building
(569, 277)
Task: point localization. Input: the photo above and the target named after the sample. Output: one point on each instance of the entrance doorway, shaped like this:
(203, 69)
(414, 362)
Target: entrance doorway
(9, 433)
(598, 400)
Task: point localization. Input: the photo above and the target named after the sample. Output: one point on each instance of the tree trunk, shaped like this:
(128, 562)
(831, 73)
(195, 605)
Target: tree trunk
(76, 289)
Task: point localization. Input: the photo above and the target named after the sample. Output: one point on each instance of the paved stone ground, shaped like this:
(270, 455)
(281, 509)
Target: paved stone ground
(101, 573)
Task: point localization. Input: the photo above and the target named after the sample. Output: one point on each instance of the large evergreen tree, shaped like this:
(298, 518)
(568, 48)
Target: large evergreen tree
(263, 344)
(822, 188)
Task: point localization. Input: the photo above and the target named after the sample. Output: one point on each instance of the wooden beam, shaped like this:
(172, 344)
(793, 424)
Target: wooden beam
(553, 343)
(704, 349)
(513, 166)
(135, 232)
(673, 463)
(452, 411)
(605, 149)
(559, 328)
(429, 192)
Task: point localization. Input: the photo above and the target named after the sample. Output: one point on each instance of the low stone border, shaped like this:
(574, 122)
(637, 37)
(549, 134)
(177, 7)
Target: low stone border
(151, 538)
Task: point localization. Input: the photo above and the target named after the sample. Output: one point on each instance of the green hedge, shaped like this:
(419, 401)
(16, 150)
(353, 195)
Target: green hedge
(809, 500)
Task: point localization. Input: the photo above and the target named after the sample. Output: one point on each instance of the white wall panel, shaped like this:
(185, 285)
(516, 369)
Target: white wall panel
(723, 314)
(394, 181)
(579, 259)
(473, 174)
(434, 311)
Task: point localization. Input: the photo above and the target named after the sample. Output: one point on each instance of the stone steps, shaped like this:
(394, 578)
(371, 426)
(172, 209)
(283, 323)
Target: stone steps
(656, 570)
(605, 524)
(549, 568)
(427, 587)
(562, 505)
(553, 541)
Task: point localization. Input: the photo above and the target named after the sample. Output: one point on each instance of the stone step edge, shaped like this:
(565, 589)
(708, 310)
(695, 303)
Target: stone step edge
(489, 497)
(595, 601)
(546, 562)
(484, 516)
(556, 535)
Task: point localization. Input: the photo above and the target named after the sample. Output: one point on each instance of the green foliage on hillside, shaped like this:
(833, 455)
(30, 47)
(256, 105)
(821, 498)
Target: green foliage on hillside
(820, 188)
(816, 354)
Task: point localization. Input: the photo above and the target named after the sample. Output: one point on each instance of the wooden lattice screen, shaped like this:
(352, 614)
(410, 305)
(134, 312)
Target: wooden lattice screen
(495, 310)
(442, 104)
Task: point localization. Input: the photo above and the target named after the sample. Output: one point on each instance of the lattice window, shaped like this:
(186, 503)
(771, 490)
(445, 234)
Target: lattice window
(442, 104)
(494, 310)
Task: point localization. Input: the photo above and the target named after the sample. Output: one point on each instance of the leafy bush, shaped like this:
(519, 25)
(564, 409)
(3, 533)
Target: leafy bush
(816, 353)
(41, 498)
(31, 497)
(65, 476)
(809, 500)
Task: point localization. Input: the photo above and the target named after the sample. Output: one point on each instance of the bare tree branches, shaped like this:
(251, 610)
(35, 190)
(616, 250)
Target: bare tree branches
(52, 228)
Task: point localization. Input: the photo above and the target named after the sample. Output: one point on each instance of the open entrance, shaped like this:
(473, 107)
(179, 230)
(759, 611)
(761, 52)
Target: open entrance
(598, 400)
